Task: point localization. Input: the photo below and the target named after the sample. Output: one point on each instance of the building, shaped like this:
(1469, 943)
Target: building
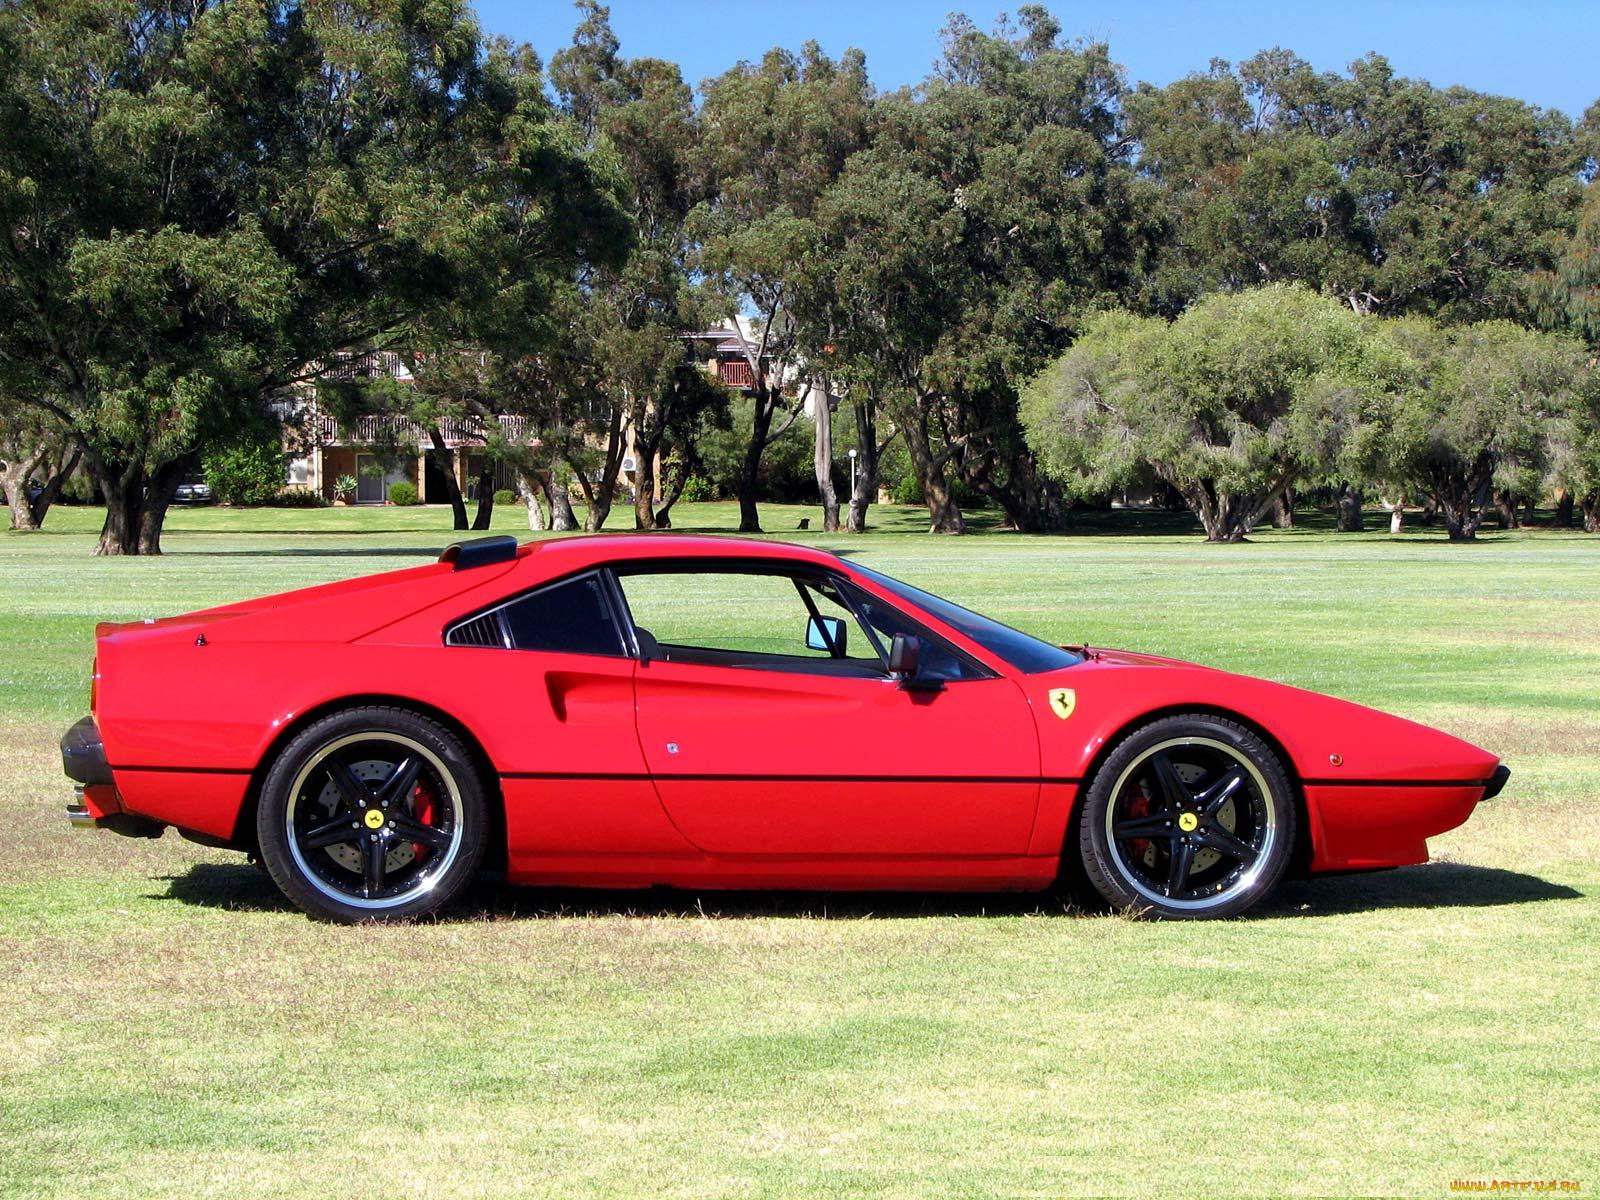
(381, 450)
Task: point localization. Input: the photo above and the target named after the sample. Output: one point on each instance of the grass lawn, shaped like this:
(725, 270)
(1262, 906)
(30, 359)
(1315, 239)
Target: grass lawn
(173, 1029)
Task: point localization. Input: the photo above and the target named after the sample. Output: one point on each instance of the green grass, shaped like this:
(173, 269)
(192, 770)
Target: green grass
(172, 1029)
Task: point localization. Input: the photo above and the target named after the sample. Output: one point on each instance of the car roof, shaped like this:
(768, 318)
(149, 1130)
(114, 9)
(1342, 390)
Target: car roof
(558, 556)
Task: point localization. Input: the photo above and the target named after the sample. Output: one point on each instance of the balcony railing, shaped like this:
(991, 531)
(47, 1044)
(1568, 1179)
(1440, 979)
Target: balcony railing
(383, 429)
(735, 373)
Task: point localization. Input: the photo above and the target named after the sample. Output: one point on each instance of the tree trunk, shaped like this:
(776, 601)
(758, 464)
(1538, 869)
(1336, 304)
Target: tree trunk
(1351, 518)
(1283, 510)
(445, 459)
(1397, 518)
(1505, 507)
(52, 488)
(644, 486)
(531, 487)
(562, 517)
(482, 519)
(1564, 506)
(136, 505)
(15, 474)
(1591, 513)
(159, 491)
(1460, 518)
(864, 469)
(1225, 517)
(822, 453)
(679, 482)
(944, 516)
(749, 479)
(1528, 510)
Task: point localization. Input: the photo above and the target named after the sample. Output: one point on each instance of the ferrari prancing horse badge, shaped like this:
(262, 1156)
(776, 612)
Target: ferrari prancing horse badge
(1063, 701)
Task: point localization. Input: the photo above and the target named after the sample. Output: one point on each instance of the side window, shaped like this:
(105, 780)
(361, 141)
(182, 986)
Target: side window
(747, 619)
(572, 617)
(939, 661)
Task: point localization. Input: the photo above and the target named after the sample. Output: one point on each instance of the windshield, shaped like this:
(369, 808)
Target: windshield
(1026, 653)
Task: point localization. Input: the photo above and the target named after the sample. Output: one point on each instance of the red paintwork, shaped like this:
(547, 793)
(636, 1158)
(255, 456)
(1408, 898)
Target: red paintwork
(970, 788)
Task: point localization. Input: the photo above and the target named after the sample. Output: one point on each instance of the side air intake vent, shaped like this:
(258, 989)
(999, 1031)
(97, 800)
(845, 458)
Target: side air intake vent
(479, 552)
(480, 631)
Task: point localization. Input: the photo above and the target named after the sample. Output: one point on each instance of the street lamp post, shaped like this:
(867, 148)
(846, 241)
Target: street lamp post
(852, 472)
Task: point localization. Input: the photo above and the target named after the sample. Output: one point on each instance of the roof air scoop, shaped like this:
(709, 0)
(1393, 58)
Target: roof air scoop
(480, 552)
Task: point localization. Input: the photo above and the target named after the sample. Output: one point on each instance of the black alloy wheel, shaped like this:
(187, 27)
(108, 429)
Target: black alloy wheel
(1190, 816)
(372, 814)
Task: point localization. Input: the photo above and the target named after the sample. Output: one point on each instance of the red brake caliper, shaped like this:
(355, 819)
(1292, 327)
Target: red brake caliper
(1139, 806)
(422, 809)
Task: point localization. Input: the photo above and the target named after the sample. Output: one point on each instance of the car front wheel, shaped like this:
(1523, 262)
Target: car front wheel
(1190, 816)
(372, 814)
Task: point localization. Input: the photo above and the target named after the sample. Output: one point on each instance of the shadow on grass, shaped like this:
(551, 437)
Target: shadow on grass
(243, 888)
(421, 553)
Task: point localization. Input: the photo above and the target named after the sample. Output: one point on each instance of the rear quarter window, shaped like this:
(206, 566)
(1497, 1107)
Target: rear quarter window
(571, 617)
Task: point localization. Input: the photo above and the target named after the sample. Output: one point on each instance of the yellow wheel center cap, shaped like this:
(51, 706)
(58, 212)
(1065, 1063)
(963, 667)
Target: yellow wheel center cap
(1188, 822)
(374, 819)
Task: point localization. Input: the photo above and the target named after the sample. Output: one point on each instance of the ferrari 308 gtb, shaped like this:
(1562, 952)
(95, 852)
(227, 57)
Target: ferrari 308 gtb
(701, 712)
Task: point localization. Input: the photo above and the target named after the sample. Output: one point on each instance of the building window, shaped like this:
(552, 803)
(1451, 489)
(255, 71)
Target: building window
(299, 472)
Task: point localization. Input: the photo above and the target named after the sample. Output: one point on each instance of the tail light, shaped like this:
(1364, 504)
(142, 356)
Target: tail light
(94, 683)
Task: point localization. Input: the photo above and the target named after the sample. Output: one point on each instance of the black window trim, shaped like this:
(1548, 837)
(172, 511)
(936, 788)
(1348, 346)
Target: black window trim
(627, 646)
(847, 588)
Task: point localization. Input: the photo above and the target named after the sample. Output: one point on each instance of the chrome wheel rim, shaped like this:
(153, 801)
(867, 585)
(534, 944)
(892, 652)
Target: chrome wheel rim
(1191, 824)
(374, 820)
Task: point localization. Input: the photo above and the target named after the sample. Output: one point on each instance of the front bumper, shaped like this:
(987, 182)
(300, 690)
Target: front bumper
(95, 802)
(1497, 782)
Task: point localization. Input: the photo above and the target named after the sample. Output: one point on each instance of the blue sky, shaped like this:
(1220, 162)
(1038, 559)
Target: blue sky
(1543, 51)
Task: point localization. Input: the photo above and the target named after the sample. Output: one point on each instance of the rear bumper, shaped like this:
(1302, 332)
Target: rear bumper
(95, 802)
(83, 754)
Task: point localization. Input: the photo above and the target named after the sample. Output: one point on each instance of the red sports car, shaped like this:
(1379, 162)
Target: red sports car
(702, 712)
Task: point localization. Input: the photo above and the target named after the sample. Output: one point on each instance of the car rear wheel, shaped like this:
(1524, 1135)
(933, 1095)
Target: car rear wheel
(1189, 816)
(372, 814)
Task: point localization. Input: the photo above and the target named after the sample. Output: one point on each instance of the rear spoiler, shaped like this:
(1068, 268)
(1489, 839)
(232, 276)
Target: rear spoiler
(480, 552)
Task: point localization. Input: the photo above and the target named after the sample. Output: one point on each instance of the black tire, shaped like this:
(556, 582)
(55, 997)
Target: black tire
(1189, 816)
(414, 804)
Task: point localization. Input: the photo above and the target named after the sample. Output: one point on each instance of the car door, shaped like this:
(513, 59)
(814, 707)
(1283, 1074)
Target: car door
(761, 745)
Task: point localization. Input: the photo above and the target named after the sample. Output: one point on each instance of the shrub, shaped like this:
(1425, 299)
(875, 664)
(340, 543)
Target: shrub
(504, 496)
(402, 493)
(698, 488)
(247, 471)
(298, 498)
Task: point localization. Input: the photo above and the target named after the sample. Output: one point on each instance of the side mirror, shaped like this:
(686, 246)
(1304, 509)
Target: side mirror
(905, 664)
(905, 655)
(826, 633)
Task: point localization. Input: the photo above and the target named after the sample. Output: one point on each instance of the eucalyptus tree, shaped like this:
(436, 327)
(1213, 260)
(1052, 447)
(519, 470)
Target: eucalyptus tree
(205, 201)
(774, 136)
(630, 318)
(1480, 409)
(1229, 404)
(35, 453)
(995, 202)
(1396, 195)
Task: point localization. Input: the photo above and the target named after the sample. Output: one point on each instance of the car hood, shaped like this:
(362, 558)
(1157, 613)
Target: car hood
(1326, 739)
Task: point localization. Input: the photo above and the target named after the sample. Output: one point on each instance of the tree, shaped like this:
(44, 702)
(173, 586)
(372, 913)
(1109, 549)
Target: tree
(204, 202)
(1229, 404)
(1396, 195)
(629, 320)
(1480, 406)
(775, 135)
(33, 454)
